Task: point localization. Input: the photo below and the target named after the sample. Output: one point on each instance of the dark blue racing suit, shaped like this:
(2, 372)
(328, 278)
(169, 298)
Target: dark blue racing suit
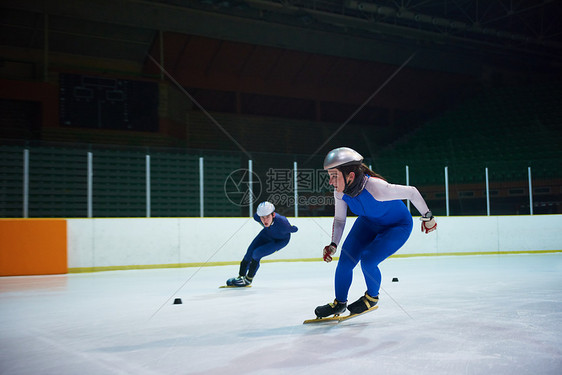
(269, 240)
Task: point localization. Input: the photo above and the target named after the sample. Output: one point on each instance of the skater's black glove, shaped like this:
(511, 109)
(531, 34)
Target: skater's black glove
(328, 252)
(428, 222)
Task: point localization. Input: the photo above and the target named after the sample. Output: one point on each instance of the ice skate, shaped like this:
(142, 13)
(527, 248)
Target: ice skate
(241, 281)
(334, 308)
(363, 304)
(238, 282)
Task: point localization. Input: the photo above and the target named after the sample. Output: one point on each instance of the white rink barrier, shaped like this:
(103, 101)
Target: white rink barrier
(121, 243)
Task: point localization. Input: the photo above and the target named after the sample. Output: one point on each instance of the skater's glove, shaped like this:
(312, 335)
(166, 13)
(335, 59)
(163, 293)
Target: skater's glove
(328, 252)
(428, 222)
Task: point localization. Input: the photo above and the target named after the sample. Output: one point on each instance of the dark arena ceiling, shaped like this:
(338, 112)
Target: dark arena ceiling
(305, 59)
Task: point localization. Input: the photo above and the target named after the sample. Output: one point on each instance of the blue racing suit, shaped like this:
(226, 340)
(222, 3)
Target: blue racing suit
(269, 240)
(383, 225)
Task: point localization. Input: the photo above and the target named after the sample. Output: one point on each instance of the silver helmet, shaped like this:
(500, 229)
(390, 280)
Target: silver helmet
(341, 156)
(265, 208)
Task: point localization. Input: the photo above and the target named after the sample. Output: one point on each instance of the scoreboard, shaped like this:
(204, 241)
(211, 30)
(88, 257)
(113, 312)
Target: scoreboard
(108, 103)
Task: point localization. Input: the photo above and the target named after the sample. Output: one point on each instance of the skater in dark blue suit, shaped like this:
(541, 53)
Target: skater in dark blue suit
(382, 227)
(274, 236)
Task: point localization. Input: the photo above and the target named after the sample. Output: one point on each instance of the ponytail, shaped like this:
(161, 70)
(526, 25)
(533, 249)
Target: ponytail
(366, 170)
(359, 170)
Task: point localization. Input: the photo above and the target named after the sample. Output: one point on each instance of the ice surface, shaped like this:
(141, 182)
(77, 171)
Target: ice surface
(495, 314)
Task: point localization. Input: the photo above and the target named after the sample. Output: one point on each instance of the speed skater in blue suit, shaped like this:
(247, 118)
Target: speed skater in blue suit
(274, 236)
(382, 227)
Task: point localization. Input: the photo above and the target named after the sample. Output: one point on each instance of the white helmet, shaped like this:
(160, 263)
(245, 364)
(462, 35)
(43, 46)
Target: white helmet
(265, 208)
(339, 157)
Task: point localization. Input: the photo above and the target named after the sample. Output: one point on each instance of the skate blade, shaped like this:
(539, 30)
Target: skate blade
(338, 318)
(351, 316)
(234, 286)
(334, 319)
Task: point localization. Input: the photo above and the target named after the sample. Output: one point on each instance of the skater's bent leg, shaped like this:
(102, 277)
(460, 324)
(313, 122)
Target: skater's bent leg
(261, 251)
(344, 274)
(244, 266)
(259, 241)
(254, 266)
(268, 248)
(245, 263)
(360, 235)
(373, 277)
(387, 243)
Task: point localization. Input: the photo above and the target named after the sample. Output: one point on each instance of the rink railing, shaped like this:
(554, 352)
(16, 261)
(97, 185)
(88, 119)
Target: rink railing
(39, 182)
(250, 196)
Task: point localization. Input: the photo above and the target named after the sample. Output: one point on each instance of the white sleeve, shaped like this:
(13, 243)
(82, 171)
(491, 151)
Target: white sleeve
(383, 191)
(340, 216)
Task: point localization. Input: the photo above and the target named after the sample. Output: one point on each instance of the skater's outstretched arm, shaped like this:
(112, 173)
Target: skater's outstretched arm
(383, 191)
